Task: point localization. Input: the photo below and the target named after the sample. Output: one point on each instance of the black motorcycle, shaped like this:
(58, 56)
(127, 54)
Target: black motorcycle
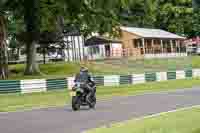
(81, 98)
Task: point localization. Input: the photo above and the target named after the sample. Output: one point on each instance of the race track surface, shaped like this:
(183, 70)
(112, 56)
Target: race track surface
(64, 120)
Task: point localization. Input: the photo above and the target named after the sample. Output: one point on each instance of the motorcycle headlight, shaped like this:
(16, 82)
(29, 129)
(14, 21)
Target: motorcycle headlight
(78, 85)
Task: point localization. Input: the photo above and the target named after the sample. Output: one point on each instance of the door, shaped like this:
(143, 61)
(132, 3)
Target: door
(107, 49)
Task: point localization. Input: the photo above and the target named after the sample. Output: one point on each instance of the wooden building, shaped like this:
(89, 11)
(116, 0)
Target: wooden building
(98, 47)
(150, 43)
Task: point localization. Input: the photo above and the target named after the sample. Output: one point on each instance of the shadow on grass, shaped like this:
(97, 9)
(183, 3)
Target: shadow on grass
(196, 131)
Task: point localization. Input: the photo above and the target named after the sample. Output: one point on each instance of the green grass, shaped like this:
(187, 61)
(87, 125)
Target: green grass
(112, 66)
(14, 102)
(54, 70)
(185, 121)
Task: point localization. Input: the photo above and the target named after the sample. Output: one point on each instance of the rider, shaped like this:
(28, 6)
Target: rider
(84, 77)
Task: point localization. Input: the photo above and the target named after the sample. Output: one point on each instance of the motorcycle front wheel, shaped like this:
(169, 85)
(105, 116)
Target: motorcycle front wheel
(76, 103)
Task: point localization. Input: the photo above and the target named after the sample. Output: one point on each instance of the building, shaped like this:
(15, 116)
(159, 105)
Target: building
(74, 48)
(151, 43)
(134, 42)
(193, 45)
(137, 43)
(98, 47)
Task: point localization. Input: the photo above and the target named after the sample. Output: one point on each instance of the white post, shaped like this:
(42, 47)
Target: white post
(83, 46)
(138, 43)
(139, 48)
(179, 48)
(176, 46)
(161, 41)
(143, 44)
(152, 42)
(171, 43)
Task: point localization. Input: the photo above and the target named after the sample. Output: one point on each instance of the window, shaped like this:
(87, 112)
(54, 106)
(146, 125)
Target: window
(94, 50)
(135, 43)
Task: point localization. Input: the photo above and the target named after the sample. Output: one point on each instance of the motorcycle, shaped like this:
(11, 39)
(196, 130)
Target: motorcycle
(81, 98)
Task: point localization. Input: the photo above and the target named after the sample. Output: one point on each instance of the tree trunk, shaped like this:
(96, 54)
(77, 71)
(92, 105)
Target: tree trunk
(3, 49)
(32, 22)
(31, 62)
(44, 55)
(18, 53)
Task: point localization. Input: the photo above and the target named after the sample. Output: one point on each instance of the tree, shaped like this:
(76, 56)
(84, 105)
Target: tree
(196, 18)
(175, 16)
(15, 29)
(141, 13)
(89, 15)
(196, 22)
(7, 7)
(3, 43)
(100, 16)
(196, 4)
(3, 48)
(32, 22)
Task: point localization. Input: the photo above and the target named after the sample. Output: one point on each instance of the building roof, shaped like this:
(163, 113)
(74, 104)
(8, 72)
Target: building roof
(97, 40)
(151, 33)
(71, 31)
(194, 40)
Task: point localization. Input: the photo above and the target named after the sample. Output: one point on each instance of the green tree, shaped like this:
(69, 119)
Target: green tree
(175, 16)
(196, 18)
(15, 30)
(32, 22)
(3, 43)
(196, 4)
(3, 48)
(44, 15)
(141, 13)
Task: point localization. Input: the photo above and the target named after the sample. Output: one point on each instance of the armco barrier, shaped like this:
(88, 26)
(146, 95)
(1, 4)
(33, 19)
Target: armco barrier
(161, 76)
(171, 75)
(138, 78)
(180, 74)
(9, 86)
(125, 79)
(112, 80)
(35, 85)
(188, 73)
(99, 80)
(42, 85)
(54, 84)
(150, 77)
(196, 73)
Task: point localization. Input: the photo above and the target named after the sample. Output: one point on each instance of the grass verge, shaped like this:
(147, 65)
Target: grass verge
(110, 66)
(185, 121)
(16, 102)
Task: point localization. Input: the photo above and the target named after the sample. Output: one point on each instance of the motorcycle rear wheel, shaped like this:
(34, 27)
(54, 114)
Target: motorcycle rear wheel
(93, 104)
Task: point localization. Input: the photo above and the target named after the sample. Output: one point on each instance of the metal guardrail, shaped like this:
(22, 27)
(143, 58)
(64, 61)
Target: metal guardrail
(53, 84)
(42, 85)
(10, 86)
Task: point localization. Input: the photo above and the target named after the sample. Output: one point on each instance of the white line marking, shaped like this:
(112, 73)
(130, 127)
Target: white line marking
(148, 116)
(154, 115)
(167, 112)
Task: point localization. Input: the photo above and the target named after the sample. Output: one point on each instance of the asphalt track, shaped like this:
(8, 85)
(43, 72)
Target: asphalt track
(64, 120)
